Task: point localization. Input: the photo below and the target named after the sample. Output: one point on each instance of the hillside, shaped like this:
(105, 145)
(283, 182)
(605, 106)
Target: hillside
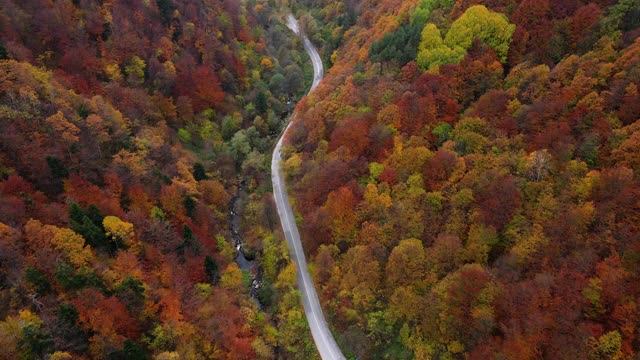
(125, 128)
(466, 178)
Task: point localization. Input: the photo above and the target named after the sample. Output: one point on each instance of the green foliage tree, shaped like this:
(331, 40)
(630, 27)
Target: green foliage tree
(135, 71)
(73, 280)
(166, 10)
(211, 269)
(476, 22)
(199, 172)
(131, 293)
(294, 79)
(240, 146)
(189, 205)
(277, 84)
(432, 50)
(130, 351)
(231, 124)
(424, 9)
(4, 54)
(443, 132)
(58, 171)
(261, 103)
(57, 168)
(36, 341)
(399, 46)
(188, 237)
(68, 313)
(624, 15)
(266, 294)
(184, 135)
(39, 280)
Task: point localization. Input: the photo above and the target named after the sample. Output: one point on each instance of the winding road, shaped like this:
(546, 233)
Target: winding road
(322, 336)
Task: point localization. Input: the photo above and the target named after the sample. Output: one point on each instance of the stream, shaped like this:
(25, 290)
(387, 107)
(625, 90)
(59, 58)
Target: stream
(251, 266)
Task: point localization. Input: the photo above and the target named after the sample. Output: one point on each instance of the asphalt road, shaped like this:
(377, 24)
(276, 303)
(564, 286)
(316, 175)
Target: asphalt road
(323, 338)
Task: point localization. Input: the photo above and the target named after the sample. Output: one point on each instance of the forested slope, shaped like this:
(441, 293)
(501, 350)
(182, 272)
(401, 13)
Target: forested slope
(467, 178)
(124, 126)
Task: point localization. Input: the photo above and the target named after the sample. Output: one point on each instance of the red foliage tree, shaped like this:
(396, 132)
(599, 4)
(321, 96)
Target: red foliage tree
(352, 134)
(439, 168)
(202, 86)
(497, 198)
(533, 30)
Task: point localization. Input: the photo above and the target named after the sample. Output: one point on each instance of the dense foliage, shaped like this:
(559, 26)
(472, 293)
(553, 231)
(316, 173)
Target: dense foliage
(480, 200)
(466, 178)
(124, 127)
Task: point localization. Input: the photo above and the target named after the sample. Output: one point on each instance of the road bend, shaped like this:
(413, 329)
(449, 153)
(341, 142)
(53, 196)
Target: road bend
(322, 336)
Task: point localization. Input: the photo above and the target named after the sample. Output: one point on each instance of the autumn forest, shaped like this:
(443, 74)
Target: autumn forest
(465, 179)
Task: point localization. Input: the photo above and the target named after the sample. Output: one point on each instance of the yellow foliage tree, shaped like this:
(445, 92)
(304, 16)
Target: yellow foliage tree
(73, 245)
(65, 240)
(185, 179)
(292, 165)
(231, 277)
(60, 355)
(287, 278)
(63, 129)
(135, 71)
(213, 193)
(390, 115)
(266, 63)
(125, 264)
(173, 355)
(10, 336)
(113, 71)
(118, 230)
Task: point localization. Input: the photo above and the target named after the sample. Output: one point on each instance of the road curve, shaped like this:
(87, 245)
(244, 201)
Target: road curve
(323, 338)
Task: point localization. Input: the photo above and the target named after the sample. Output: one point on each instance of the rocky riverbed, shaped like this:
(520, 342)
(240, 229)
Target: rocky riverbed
(244, 259)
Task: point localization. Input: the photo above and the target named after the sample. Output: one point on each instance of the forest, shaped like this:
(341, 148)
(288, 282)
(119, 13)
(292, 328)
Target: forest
(464, 178)
(125, 128)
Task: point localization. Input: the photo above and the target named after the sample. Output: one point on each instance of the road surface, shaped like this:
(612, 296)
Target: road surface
(323, 338)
